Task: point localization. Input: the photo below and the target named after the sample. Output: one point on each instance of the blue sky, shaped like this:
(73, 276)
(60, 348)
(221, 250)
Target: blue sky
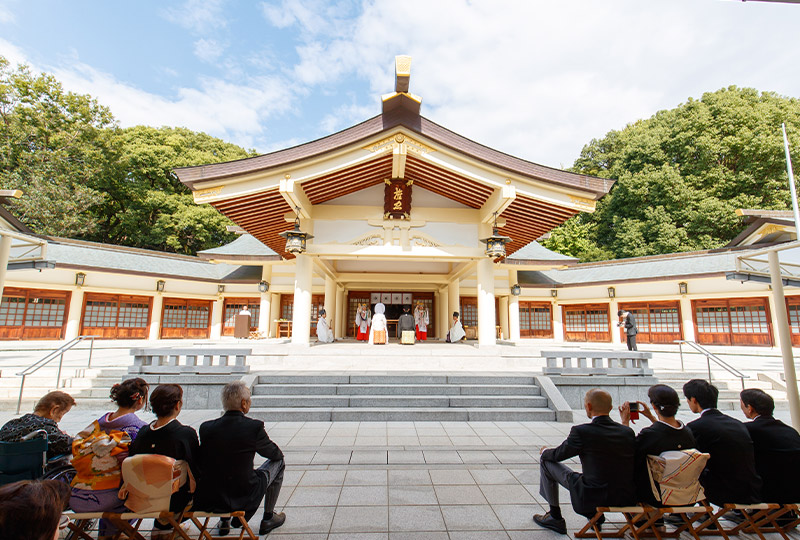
(538, 79)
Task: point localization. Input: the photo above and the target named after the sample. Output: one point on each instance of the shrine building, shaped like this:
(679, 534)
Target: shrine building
(399, 210)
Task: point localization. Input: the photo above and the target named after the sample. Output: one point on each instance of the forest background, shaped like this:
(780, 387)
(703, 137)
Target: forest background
(680, 175)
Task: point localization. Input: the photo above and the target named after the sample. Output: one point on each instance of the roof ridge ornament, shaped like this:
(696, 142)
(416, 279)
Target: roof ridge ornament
(402, 73)
(401, 97)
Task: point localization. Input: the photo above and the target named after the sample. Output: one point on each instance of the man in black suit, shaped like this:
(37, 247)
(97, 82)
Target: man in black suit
(777, 448)
(228, 481)
(606, 451)
(629, 324)
(730, 475)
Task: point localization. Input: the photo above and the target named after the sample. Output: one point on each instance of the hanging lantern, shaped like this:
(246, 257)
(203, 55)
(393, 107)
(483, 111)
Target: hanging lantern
(496, 244)
(296, 239)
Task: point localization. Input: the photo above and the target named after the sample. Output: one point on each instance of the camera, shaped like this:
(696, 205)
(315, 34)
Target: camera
(634, 410)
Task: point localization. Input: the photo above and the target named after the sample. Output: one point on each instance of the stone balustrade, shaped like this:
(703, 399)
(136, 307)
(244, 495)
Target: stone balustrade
(585, 362)
(198, 360)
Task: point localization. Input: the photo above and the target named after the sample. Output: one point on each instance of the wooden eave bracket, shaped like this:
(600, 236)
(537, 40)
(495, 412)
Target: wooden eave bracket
(399, 154)
(497, 202)
(295, 197)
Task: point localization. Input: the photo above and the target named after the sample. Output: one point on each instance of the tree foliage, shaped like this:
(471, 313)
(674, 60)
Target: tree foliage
(84, 177)
(682, 173)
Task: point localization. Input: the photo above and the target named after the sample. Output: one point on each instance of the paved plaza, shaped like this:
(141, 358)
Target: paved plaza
(406, 480)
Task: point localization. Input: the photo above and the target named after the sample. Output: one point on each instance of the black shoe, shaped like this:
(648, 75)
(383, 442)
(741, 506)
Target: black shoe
(223, 527)
(274, 522)
(549, 522)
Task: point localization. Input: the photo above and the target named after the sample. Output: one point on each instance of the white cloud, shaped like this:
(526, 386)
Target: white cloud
(198, 16)
(6, 16)
(208, 50)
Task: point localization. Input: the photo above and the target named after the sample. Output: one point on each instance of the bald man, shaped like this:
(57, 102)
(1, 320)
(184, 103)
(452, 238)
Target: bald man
(605, 449)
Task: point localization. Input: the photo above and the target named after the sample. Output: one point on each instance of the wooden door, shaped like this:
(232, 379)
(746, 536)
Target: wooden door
(733, 321)
(535, 320)
(287, 309)
(33, 313)
(793, 310)
(113, 316)
(658, 322)
(233, 306)
(186, 319)
(586, 322)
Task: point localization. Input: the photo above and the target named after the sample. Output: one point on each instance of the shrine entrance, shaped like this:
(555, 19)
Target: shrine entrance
(394, 302)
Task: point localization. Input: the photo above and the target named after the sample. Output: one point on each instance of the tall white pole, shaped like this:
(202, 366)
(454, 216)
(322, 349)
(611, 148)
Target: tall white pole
(784, 338)
(791, 182)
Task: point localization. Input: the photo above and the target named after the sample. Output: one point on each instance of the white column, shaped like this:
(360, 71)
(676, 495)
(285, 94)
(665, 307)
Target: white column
(558, 323)
(687, 322)
(330, 298)
(785, 339)
(301, 319)
(340, 313)
(445, 316)
(274, 314)
(613, 307)
(155, 316)
(453, 298)
(5, 249)
(504, 317)
(74, 315)
(486, 320)
(216, 318)
(265, 308)
(513, 309)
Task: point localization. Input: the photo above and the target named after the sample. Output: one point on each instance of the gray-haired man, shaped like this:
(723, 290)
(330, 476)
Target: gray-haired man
(228, 482)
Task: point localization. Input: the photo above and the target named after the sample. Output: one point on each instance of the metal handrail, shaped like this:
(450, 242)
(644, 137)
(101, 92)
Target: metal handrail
(49, 357)
(709, 357)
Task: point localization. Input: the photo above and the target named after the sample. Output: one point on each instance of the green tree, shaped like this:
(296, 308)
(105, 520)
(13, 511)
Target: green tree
(683, 172)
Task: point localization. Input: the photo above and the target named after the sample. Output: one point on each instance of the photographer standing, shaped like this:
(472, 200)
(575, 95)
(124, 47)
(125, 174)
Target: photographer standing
(629, 323)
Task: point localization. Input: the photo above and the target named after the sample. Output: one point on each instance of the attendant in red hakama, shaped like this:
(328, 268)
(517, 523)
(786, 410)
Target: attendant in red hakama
(421, 321)
(363, 322)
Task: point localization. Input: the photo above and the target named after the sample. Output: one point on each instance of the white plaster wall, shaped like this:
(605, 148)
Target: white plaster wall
(451, 234)
(341, 231)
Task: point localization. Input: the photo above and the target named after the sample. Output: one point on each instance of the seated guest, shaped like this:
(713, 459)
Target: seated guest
(405, 323)
(31, 510)
(49, 411)
(228, 481)
(776, 447)
(98, 452)
(730, 475)
(456, 332)
(606, 451)
(168, 437)
(665, 433)
(324, 332)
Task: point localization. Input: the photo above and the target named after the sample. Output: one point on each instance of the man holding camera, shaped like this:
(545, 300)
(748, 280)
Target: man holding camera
(606, 451)
(628, 322)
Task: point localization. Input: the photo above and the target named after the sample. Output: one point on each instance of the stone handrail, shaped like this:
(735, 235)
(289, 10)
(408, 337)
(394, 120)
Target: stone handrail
(228, 360)
(624, 363)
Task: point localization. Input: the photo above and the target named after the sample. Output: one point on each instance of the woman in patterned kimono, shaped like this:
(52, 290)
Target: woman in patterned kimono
(378, 326)
(363, 322)
(421, 321)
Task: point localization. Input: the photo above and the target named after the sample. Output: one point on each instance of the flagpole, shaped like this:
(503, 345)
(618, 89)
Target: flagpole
(791, 182)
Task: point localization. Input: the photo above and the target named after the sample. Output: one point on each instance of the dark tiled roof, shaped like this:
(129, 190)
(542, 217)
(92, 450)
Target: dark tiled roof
(245, 247)
(535, 252)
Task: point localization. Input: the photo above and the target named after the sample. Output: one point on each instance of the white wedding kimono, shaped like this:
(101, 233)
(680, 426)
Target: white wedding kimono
(324, 332)
(456, 332)
(378, 321)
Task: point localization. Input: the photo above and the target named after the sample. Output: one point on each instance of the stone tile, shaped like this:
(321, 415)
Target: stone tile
(538, 534)
(443, 440)
(357, 536)
(409, 477)
(526, 476)
(470, 518)
(297, 458)
(278, 533)
(418, 535)
(515, 494)
(398, 457)
(368, 457)
(307, 519)
(415, 518)
(514, 456)
(338, 441)
(291, 477)
(402, 440)
(370, 440)
(452, 495)
(473, 440)
(484, 535)
(441, 456)
(366, 478)
(412, 495)
(451, 477)
(305, 442)
(314, 496)
(501, 440)
(364, 496)
(322, 478)
(477, 456)
(329, 457)
(493, 476)
(354, 519)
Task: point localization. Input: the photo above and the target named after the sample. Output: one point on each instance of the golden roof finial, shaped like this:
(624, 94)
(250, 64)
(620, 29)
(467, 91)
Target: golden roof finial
(402, 73)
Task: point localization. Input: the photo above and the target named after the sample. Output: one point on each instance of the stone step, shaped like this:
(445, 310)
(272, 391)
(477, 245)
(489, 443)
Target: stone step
(425, 414)
(311, 401)
(399, 378)
(393, 389)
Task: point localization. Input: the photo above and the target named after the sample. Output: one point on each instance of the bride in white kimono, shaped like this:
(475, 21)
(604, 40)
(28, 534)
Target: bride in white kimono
(324, 332)
(378, 325)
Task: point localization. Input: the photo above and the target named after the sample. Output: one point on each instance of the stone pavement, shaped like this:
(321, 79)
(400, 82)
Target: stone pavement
(406, 480)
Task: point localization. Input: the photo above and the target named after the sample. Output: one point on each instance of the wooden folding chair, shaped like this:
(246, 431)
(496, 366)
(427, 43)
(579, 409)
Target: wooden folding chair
(201, 521)
(770, 524)
(643, 521)
(754, 516)
(129, 525)
(593, 530)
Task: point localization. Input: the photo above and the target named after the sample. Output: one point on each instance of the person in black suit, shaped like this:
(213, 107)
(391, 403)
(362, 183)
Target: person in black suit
(629, 324)
(666, 433)
(228, 481)
(730, 475)
(777, 448)
(606, 451)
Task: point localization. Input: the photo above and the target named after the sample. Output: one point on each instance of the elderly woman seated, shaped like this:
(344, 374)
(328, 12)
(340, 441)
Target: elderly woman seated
(48, 412)
(31, 510)
(168, 437)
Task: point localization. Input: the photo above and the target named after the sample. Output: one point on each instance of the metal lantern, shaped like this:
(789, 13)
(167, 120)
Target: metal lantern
(612, 292)
(496, 244)
(683, 288)
(296, 239)
(554, 293)
(516, 290)
(220, 289)
(160, 285)
(263, 286)
(80, 279)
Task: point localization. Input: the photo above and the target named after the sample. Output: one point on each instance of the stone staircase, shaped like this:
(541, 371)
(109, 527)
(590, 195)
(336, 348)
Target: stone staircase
(729, 388)
(398, 396)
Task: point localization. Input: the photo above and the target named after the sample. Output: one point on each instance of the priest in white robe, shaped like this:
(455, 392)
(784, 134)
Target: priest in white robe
(324, 332)
(456, 332)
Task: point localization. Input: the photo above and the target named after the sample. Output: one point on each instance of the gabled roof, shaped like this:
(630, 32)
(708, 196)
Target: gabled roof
(246, 247)
(535, 252)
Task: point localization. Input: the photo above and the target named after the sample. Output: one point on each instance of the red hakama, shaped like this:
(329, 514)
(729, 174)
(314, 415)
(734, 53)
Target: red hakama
(362, 336)
(421, 335)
